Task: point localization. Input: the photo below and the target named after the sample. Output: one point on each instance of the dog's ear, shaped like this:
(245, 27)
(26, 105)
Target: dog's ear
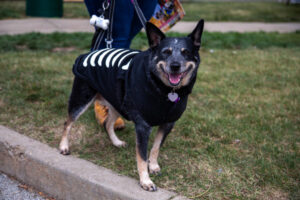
(154, 34)
(197, 34)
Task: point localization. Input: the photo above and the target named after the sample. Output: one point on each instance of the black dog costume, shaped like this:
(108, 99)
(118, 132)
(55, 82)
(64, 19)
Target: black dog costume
(122, 77)
(141, 87)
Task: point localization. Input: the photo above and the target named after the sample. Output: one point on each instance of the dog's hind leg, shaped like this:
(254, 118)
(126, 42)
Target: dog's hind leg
(80, 99)
(160, 137)
(110, 121)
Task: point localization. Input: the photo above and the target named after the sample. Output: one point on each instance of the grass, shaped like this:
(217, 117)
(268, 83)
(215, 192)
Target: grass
(81, 41)
(210, 11)
(242, 11)
(238, 139)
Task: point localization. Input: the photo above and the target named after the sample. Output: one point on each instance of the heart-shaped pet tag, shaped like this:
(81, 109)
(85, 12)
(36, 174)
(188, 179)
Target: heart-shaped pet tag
(173, 96)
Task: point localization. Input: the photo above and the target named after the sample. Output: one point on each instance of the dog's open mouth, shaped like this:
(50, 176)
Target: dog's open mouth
(175, 78)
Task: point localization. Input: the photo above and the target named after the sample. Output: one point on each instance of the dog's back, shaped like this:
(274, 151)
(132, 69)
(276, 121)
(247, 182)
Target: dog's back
(105, 71)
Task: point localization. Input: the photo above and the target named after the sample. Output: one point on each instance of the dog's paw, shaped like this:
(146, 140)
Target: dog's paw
(64, 147)
(65, 151)
(154, 169)
(148, 186)
(120, 144)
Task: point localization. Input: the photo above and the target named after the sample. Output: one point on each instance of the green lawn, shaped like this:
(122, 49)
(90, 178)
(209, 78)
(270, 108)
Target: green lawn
(210, 11)
(238, 139)
(242, 11)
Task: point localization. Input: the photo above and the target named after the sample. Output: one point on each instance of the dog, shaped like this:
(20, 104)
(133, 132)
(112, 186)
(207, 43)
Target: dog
(149, 87)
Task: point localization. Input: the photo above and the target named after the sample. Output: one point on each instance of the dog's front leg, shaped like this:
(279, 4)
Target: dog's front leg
(143, 131)
(160, 137)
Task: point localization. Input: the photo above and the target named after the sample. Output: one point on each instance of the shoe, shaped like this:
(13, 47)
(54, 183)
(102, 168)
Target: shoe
(101, 113)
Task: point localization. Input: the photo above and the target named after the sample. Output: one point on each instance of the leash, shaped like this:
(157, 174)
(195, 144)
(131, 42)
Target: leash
(103, 24)
(139, 13)
(109, 38)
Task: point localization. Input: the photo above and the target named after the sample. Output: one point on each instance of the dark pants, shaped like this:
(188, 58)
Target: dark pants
(126, 23)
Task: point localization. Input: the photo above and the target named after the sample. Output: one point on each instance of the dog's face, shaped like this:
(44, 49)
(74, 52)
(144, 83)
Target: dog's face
(174, 60)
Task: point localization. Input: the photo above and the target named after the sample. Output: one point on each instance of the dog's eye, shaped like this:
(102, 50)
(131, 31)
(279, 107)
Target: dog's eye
(167, 51)
(185, 52)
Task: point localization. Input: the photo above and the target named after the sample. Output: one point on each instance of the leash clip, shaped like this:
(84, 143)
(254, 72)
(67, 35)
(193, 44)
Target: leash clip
(109, 43)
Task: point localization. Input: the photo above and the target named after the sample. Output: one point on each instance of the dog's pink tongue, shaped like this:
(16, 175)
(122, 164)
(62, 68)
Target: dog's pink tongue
(174, 78)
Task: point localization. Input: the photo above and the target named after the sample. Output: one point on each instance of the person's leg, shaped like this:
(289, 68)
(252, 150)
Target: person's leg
(122, 22)
(93, 6)
(126, 23)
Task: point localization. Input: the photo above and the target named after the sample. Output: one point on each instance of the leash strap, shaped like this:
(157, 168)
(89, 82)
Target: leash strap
(99, 34)
(109, 39)
(99, 38)
(139, 13)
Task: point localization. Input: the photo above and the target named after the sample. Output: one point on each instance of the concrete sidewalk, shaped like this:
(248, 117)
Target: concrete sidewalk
(67, 177)
(49, 25)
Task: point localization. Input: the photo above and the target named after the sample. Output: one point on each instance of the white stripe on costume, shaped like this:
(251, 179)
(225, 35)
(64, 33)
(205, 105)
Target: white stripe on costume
(102, 56)
(86, 59)
(120, 61)
(125, 67)
(94, 57)
(117, 56)
(110, 57)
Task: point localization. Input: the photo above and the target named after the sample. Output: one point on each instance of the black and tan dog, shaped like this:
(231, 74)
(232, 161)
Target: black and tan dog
(150, 88)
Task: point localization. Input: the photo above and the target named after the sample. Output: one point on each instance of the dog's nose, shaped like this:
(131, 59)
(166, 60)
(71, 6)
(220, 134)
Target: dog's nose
(175, 66)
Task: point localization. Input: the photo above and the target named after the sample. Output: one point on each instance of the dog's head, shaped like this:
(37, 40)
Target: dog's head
(174, 60)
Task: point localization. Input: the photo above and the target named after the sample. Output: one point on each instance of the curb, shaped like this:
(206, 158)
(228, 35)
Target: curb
(66, 177)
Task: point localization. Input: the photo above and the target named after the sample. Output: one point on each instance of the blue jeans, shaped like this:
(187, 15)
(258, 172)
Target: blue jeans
(126, 23)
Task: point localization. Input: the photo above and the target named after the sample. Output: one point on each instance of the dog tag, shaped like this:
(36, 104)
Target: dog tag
(173, 96)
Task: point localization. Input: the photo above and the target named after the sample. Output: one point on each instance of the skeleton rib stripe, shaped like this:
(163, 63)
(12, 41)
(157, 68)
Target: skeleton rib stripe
(94, 57)
(120, 61)
(102, 56)
(86, 59)
(125, 67)
(117, 56)
(107, 62)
